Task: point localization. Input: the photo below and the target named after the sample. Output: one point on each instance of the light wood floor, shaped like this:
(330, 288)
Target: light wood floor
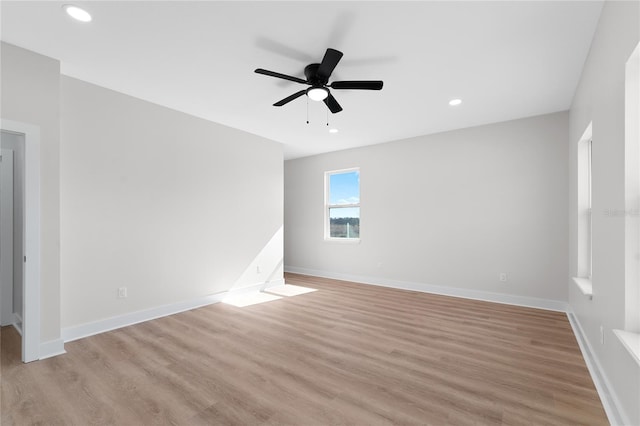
(346, 354)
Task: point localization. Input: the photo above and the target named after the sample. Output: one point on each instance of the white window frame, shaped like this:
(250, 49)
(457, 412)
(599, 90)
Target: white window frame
(630, 335)
(632, 192)
(328, 207)
(583, 277)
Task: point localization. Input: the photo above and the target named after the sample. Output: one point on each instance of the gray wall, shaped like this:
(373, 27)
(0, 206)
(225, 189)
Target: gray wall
(600, 98)
(452, 209)
(31, 94)
(170, 206)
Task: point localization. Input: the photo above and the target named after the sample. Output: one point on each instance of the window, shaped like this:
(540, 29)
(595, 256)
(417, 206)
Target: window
(585, 151)
(342, 205)
(630, 336)
(586, 210)
(632, 192)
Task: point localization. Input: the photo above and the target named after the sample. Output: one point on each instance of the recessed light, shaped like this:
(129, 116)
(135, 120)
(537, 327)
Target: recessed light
(454, 102)
(77, 13)
(333, 130)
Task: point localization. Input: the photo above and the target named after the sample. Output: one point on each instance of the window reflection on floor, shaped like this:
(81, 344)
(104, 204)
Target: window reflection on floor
(270, 294)
(289, 290)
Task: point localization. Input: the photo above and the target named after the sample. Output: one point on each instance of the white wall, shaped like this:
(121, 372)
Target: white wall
(452, 209)
(600, 98)
(168, 205)
(30, 94)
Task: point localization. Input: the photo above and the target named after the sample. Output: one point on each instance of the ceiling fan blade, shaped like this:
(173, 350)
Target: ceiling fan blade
(332, 104)
(358, 85)
(290, 98)
(328, 64)
(278, 75)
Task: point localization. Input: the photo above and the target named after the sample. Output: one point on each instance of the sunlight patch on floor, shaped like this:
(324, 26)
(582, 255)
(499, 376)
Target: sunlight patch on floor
(289, 290)
(248, 299)
(269, 295)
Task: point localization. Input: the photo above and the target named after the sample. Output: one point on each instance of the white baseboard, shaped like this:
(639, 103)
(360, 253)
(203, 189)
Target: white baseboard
(531, 302)
(254, 287)
(608, 397)
(275, 283)
(52, 348)
(70, 334)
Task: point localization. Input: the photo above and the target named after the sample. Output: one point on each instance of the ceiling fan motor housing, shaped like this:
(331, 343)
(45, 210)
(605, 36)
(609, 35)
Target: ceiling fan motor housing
(311, 73)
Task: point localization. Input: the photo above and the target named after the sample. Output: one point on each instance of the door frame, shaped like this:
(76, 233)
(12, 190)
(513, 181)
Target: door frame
(31, 235)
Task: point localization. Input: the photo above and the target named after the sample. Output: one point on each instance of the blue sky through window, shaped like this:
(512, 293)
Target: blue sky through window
(344, 188)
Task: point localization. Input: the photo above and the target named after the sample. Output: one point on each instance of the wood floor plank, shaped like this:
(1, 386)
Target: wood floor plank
(347, 354)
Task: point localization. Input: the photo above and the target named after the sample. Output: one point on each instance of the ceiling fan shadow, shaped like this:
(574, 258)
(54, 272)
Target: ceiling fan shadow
(374, 60)
(282, 49)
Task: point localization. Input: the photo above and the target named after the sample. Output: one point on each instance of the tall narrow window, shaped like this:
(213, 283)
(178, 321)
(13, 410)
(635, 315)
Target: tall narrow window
(342, 204)
(585, 215)
(588, 210)
(630, 335)
(632, 193)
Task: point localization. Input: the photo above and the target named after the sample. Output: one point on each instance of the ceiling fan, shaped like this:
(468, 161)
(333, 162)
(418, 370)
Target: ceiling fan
(317, 76)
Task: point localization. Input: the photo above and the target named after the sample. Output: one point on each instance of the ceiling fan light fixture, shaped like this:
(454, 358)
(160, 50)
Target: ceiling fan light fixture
(317, 93)
(455, 102)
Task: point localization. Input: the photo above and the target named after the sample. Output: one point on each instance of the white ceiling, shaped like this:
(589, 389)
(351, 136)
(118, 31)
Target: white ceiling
(504, 59)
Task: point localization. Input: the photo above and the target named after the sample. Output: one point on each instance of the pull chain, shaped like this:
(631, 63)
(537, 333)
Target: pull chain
(307, 110)
(327, 109)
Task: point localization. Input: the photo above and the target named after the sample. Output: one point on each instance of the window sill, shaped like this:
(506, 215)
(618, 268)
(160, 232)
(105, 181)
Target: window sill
(342, 240)
(585, 286)
(631, 342)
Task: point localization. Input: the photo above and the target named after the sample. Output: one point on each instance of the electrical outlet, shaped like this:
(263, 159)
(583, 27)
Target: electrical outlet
(122, 293)
(502, 276)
